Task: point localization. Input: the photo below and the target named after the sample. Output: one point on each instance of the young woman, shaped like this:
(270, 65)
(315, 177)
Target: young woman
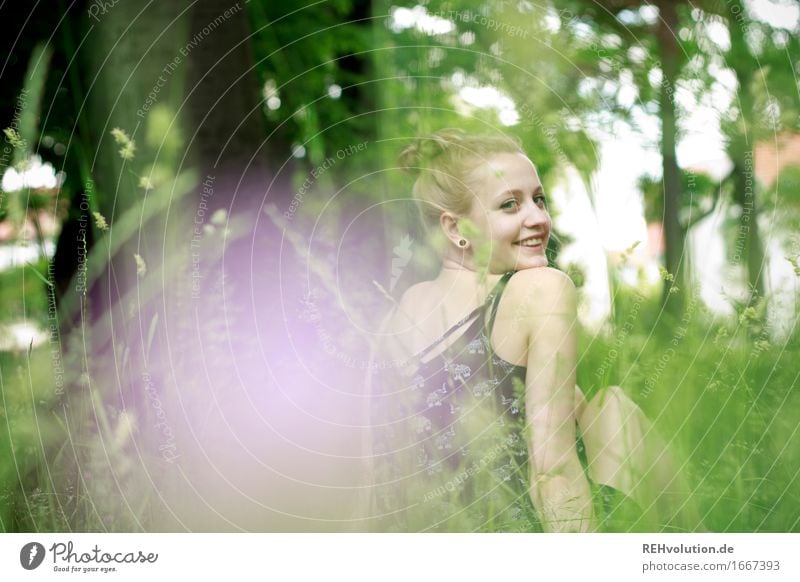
(478, 423)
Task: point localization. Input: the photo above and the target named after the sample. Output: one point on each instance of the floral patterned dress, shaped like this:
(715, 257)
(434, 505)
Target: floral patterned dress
(450, 446)
(449, 451)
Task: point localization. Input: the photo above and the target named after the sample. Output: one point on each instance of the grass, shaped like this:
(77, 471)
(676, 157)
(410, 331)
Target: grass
(724, 396)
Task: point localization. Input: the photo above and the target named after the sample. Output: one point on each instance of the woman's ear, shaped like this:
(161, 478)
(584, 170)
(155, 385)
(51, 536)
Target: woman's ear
(449, 224)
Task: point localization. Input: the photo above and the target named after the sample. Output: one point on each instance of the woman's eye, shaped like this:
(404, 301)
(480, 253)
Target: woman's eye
(540, 200)
(509, 205)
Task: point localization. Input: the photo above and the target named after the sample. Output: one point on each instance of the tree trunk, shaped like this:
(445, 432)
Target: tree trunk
(223, 106)
(673, 233)
(747, 244)
(747, 247)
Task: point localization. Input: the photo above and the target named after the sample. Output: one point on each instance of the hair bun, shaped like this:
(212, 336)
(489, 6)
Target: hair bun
(423, 150)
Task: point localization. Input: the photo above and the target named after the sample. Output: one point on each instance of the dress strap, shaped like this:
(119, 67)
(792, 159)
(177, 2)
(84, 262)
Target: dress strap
(458, 324)
(493, 296)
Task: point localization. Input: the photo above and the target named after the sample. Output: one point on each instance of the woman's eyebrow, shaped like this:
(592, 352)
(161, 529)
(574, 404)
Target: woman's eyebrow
(539, 190)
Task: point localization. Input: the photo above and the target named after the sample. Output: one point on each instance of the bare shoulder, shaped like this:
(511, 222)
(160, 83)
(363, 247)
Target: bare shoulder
(541, 279)
(409, 302)
(415, 292)
(542, 290)
(398, 326)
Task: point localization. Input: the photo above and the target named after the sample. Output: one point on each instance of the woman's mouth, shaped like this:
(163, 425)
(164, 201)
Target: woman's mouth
(532, 242)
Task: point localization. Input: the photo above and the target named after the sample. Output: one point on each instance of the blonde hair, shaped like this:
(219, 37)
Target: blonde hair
(444, 164)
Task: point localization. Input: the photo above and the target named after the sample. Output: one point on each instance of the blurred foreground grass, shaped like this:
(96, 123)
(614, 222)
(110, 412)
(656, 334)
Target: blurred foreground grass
(722, 391)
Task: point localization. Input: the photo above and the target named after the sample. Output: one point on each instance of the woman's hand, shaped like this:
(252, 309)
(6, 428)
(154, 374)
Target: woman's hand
(547, 312)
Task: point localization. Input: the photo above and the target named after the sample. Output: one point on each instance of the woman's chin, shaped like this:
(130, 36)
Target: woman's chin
(530, 257)
(519, 264)
(532, 263)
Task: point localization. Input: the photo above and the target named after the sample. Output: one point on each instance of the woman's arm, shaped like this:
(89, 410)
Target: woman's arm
(548, 313)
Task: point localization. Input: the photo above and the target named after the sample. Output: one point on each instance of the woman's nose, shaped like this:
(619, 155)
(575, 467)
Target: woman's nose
(536, 215)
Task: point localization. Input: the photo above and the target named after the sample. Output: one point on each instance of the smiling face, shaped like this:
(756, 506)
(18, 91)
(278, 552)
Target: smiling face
(510, 212)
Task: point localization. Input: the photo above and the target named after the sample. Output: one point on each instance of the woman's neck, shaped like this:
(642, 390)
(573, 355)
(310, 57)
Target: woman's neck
(456, 271)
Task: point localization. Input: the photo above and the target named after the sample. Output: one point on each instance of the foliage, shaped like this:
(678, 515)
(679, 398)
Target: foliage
(722, 392)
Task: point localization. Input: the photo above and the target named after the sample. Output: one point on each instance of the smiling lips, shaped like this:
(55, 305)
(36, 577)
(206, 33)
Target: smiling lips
(530, 242)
